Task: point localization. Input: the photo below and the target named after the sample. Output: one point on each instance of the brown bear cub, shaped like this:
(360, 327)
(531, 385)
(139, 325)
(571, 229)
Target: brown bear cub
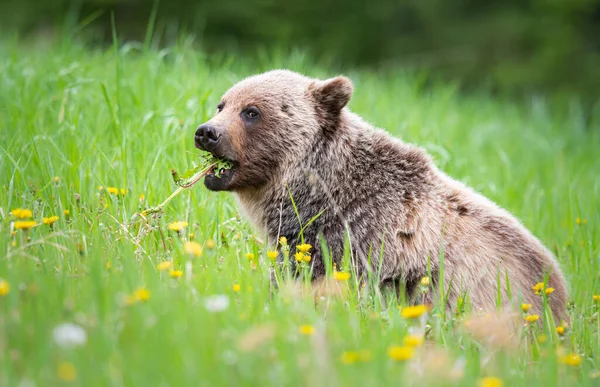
(289, 135)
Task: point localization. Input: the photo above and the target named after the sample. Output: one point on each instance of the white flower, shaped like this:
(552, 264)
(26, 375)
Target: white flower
(229, 357)
(26, 383)
(216, 303)
(188, 271)
(69, 335)
(192, 103)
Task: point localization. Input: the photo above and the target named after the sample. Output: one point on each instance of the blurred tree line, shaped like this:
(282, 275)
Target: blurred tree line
(505, 45)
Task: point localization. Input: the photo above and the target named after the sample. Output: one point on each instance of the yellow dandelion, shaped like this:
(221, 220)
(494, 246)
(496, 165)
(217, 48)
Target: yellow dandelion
(67, 212)
(283, 241)
(210, 244)
(413, 341)
(4, 288)
(596, 297)
(176, 273)
(100, 188)
(351, 357)
(141, 294)
(560, 330)
(571, 359)
(299, 257)
(490, 381)
(56, 179)
(400, 353)
(537, 288)
(542, 338)
(193, 248)
(341, 275)
(123, 191)
(112, 190)
(250, 256)
(21, 213)
(425, 281)
(272, 255)
(304, 248)
(66, 371)
(25, 224)
(164, 265)
(307, 330)
(414, 311)
(178, 226)
(142, 197)
(306, 258)
(525, 307)
(50, 220)
(531, 318)
(577, 220)
(108, 265)
(549, 291)
(236, 288)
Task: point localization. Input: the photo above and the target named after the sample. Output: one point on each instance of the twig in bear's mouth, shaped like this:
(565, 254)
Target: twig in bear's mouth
(209, 163)
(187, 182)
(183, 184)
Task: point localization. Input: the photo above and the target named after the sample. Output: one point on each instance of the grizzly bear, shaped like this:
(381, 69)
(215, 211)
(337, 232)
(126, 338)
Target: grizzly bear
(292, 137)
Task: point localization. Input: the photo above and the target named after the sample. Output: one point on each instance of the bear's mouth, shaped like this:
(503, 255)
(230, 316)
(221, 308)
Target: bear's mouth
(222, 173)
(220, 177)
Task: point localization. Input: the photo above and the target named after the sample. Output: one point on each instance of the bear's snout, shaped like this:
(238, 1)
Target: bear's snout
(207, 137)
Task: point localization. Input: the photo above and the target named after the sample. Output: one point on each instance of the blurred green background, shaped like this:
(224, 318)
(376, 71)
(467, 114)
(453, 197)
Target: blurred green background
(509, 46)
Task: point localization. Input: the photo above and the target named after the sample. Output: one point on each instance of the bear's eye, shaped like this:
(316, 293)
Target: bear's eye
(251, 112)
(220, 107)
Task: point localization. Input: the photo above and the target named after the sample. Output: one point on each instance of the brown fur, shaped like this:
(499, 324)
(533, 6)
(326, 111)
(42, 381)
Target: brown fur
(375, 190)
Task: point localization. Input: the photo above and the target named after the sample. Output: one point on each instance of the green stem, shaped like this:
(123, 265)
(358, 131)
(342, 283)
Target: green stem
(175, 193)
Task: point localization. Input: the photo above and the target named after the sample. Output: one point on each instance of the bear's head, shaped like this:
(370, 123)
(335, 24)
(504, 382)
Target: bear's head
(268, 122)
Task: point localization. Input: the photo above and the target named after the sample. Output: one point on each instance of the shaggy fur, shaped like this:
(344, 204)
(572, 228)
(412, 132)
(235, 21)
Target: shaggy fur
(375, 190)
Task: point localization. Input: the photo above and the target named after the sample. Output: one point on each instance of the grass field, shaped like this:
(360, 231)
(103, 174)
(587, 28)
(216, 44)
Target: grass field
(76, 124)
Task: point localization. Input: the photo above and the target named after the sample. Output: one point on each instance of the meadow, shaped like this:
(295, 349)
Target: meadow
(93, 293)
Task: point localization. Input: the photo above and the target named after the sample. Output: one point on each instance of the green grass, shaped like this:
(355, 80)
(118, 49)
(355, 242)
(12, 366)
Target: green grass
(122, 118)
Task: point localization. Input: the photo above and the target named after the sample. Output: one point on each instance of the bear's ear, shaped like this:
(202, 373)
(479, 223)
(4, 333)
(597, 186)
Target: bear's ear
(332, 94)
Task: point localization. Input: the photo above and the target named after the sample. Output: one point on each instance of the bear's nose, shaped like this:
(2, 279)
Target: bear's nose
(207, 137)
